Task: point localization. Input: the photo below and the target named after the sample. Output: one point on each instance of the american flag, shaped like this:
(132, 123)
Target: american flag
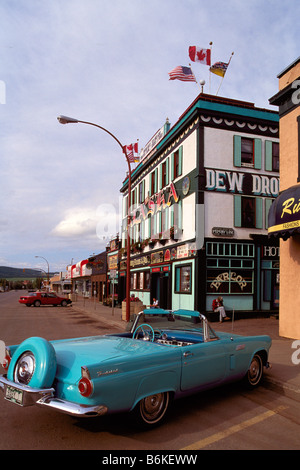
(184, 74)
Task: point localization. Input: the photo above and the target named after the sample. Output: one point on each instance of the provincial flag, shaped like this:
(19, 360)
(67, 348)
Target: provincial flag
(131, 151)
(184, 74)
(219, 68)
(197, 54)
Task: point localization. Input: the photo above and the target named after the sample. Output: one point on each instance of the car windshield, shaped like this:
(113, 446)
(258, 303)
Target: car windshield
(183, 320)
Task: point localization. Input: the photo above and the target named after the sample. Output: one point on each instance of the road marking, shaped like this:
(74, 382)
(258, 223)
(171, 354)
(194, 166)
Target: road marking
(233, 429)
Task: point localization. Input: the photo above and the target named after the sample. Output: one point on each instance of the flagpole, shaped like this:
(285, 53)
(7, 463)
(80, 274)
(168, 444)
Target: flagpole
(224, 73)
(194, 74)
(209, 67)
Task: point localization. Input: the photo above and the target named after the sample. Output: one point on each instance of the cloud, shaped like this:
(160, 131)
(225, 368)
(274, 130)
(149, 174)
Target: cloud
(77, 222)
(101, 223)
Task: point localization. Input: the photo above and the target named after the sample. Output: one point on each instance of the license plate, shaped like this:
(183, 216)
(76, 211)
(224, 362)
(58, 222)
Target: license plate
(14, 395)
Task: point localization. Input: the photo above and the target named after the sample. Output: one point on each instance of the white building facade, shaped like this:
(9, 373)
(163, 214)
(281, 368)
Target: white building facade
(200, 200)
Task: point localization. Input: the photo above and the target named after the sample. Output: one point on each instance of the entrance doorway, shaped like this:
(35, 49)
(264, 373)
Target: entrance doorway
(161, 289)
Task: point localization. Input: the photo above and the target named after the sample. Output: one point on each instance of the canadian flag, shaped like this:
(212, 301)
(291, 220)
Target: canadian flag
(131, 150)
(197, 54)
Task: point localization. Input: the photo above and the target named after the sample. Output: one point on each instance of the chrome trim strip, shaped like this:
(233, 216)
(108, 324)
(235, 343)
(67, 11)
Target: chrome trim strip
(45, 397)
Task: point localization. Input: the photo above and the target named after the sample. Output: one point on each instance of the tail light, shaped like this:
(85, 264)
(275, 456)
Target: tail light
(85, 385)
(6, 361)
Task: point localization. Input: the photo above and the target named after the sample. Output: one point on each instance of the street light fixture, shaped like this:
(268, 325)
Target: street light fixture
(68, 120)
(42, 269)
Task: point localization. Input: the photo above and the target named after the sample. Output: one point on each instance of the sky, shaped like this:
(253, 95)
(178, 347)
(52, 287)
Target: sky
(107, 62)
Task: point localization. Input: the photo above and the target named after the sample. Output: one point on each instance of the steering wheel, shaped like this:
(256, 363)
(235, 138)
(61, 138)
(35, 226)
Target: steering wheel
(146, 331)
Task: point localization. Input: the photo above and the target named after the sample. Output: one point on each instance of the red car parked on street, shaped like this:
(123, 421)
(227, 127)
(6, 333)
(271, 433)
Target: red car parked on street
(43, 298)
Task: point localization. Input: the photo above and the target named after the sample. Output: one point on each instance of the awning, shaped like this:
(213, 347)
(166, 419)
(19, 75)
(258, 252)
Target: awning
(284, 214)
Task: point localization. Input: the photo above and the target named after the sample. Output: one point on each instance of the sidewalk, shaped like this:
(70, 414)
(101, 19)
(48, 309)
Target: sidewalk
(283, 376)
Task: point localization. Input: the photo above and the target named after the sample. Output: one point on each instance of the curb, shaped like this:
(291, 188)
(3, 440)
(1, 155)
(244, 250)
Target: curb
(285, 389)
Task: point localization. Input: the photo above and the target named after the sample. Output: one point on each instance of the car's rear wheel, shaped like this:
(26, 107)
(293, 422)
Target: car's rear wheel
(255, 372)
(151, 410)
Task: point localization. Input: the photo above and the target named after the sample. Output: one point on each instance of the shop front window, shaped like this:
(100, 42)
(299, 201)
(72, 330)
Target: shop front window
(183, 279)
(232, 272)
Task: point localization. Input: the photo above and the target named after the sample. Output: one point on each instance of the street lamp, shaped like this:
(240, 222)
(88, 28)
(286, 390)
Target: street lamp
(69, 120)
(42, 269)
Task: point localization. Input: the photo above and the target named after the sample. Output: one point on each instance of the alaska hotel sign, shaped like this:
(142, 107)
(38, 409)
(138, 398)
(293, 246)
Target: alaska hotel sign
(236, 182)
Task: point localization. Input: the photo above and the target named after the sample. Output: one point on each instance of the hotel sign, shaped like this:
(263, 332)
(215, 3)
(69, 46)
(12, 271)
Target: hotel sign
(152, 143)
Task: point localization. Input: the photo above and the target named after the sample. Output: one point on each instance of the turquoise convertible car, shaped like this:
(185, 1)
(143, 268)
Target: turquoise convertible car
(165, 355)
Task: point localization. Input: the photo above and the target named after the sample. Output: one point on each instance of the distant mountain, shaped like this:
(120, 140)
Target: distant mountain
(8, 273)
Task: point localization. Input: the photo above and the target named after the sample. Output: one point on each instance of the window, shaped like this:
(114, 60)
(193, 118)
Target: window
(248, 212)
(232, 271)
(153, 182)
(247, 152)
(141, 192)
(176, 164)
(164, 174)
(229, 281)
(275, 156)
(271, 155)
(183, 279)
(140, 280)
(164, 220)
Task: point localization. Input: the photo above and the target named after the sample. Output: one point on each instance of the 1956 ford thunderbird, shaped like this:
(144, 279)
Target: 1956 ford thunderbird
(165, 355)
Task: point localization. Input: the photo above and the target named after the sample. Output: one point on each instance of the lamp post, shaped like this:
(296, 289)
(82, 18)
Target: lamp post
(42, 269)
(69, 120)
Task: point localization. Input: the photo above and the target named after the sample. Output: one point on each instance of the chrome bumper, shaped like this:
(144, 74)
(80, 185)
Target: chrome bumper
(45, 397)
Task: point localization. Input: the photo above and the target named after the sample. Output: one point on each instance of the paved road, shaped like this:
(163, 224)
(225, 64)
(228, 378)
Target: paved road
(226, 418)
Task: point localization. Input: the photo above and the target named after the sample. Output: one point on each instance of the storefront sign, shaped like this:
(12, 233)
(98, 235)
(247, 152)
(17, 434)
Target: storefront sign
(222, 232)
(112, 262)
(284, 214)
(226, 277)
(140, 262)
(270, 252)
(157, 257)
(241, 183)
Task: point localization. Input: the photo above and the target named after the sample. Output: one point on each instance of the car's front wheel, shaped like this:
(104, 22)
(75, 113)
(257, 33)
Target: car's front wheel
(151, 410)
(255, 372)
(37, 303)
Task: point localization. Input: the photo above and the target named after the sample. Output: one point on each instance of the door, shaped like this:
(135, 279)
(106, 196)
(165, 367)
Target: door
(203, 364)
(165, 291)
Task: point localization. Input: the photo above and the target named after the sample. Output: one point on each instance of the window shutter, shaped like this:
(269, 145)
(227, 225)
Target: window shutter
(180, 158)
(150, 184)
(237, 211)
(172, 167)
(268, 155)
(155, 180)
(257, 154)
(237, 150)
(258, 212)
(167, 171)
(268, 204)
(160, 176)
